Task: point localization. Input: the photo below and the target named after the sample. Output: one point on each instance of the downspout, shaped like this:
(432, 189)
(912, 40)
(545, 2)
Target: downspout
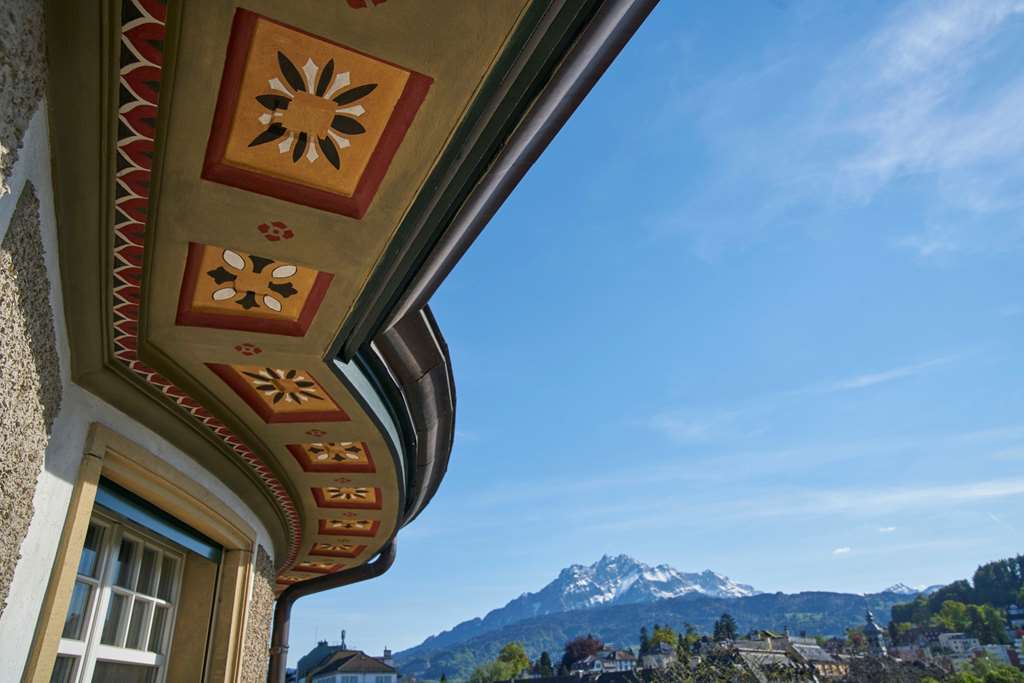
(283, 610)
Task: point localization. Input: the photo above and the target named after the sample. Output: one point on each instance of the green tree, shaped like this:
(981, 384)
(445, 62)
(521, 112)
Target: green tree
(725, 628)
(444, 678)
(664, 634)
(953, 616)
(514, 655)
(986, 670)
(544, 666)
(492, 671)
(987, 624)
(645, 642)
(688, 639)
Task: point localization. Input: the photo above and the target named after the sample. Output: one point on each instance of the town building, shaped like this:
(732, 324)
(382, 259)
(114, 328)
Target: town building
(660, 656)
(221, 224)
(351, 666)
(825, 665)
(958, 645)
(608, 659)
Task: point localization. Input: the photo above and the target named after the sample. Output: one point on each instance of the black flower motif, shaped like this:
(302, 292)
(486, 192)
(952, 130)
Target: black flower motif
(291, 386)
(311, 105)
(267, 289)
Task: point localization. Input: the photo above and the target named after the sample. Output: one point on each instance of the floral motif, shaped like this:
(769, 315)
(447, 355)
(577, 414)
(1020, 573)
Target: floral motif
(362, 4)
(289, 385)
(341, 549)
(343, 480)
(276, 230)
(309, 106)
(348, 493)
(317, 433)
(352, 525)
(345, 451)
(247, 349)
(252, 286)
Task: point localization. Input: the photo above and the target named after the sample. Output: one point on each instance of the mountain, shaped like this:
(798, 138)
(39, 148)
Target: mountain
(609, 581)
(904, 589)
(819, 613)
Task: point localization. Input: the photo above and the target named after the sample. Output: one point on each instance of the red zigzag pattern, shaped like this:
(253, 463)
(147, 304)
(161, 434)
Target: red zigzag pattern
(142, 36)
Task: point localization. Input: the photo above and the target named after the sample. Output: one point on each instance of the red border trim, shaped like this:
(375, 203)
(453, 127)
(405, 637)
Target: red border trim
(299, 453)
(327, 531)
(214, 168)
(248, 394)
(226, 321)
(324, 503)
(348, 555)
(300, 567)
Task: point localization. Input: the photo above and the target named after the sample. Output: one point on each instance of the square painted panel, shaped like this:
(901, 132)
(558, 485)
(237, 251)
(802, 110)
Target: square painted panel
(346, 550)
(281, 394)
(349, 527)
(342, 456)
(352, 497)
(307, 120)
(235, 290)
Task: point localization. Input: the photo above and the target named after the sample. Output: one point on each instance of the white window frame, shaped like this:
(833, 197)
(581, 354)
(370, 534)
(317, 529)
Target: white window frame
(89, 649)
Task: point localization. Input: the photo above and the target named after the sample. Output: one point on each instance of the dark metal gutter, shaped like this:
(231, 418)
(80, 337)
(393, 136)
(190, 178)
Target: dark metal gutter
(283, 609)
(599, 43)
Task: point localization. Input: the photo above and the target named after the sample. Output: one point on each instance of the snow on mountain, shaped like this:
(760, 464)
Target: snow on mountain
(609, 581)
(901, 589)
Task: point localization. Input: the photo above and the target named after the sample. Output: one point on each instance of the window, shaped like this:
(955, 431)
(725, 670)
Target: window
(119, 621)
(383, 679)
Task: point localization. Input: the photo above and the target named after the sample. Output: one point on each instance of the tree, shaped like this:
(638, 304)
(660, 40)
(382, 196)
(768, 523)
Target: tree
(514, 655)
(986, 670)
(663, 634)
(688, 639)
(580, 648)
(496, 670)
(444, 678)
(953, 616)
(645, 643)
(725, 628)
(855, 640)
(544, 667)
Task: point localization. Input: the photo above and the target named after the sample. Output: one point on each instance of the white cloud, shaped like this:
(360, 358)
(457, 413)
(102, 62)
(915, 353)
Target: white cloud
(845, 550)
(887, 529)
(873, 378)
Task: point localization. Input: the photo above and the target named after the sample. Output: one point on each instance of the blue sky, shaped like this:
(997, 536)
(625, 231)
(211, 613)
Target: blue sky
(757, 309)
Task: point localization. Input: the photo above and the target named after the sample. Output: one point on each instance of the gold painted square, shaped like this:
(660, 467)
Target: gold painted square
(309, 111)
(243, 284)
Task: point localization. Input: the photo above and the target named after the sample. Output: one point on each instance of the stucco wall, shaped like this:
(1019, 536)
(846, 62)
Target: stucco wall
(66, 445)
(29, 377)
(255, 651)
(22, 76)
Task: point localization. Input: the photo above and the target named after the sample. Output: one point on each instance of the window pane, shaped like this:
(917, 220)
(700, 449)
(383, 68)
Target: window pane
(125, 562)
(76, 611)
(63, 669)
(106, 672)
(167, 576)
(147, 573)
(115, 617)
(156, 632)
(91, 551)
(137, 625)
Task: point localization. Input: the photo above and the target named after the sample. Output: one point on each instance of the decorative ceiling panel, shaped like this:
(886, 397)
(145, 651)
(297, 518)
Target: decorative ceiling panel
(308, 120)
(263, 167)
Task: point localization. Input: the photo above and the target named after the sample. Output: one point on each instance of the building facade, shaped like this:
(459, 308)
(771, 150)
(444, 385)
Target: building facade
(220, 225)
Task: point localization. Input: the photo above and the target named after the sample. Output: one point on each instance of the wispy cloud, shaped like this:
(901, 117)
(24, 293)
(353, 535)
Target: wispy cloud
(845, 550)
(890, 375)
(886, 529)
(922, 98)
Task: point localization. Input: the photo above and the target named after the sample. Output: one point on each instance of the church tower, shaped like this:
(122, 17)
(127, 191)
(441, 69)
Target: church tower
(875, 635)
